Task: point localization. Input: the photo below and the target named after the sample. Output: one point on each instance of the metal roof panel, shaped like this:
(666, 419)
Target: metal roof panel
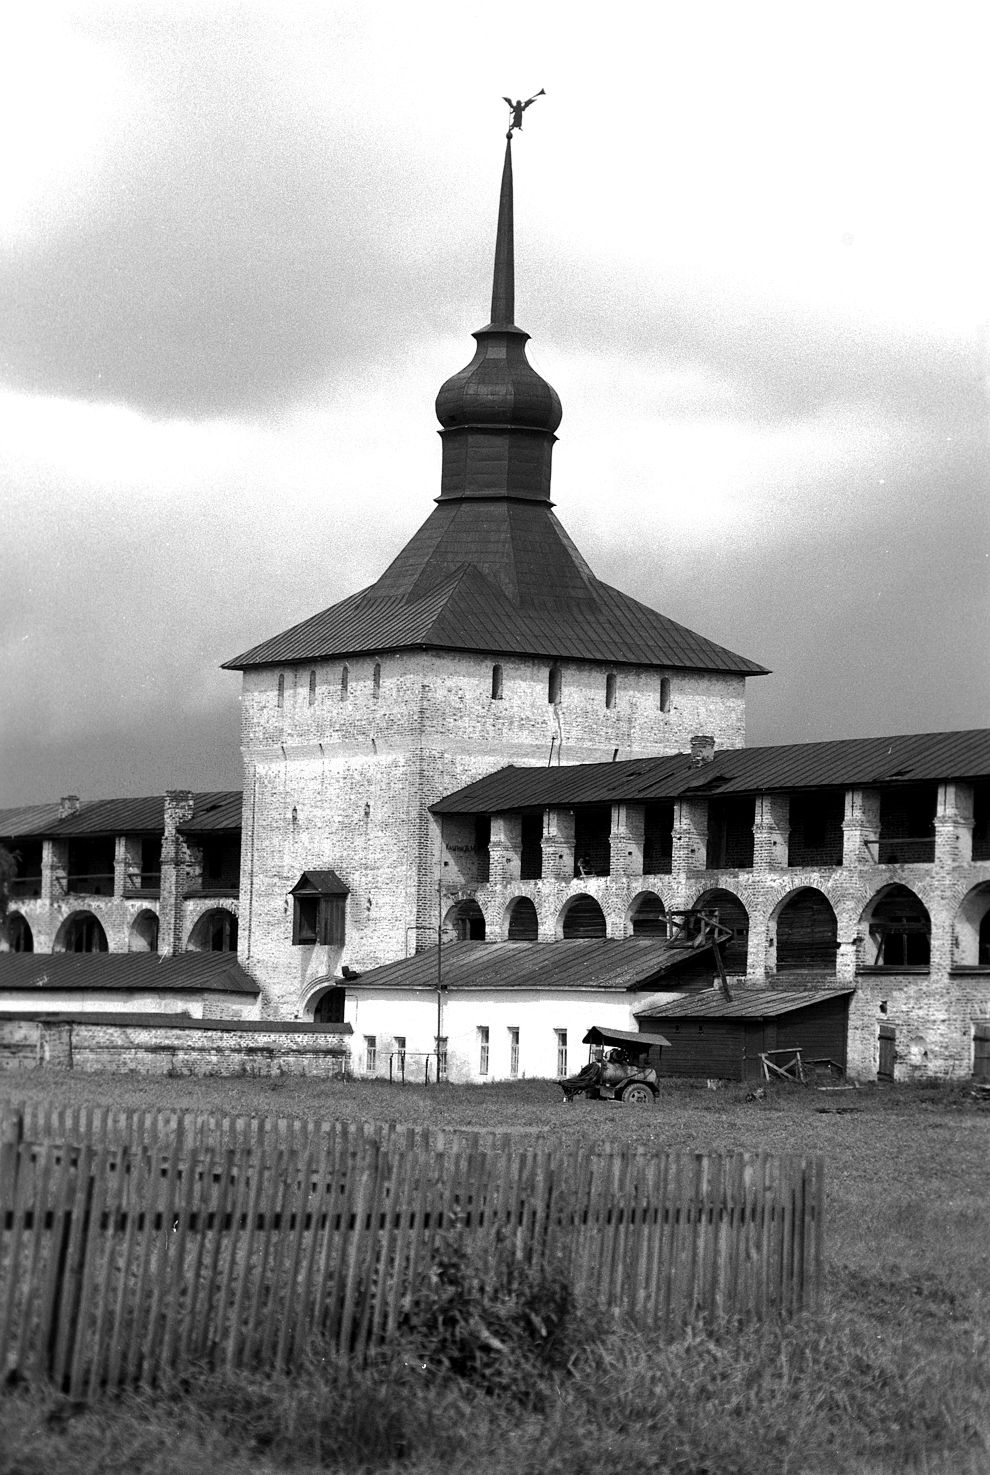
(185, 972)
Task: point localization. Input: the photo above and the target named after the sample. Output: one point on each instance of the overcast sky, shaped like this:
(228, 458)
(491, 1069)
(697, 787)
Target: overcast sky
(244, 244)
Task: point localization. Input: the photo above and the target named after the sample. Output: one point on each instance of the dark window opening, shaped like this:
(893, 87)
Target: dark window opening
(665, 693)
(84, 934)
(658, 839)
(729, 912)
(531, 859)
(318, 920)
(376, 681)
(610, 689)
(981, 820)
(730, 834)
(900, 931)
(584, 918)
(312, 688)
(281, 691)
(592, 840)
(496, 683)
(807, 934)
(648, 917)
(151, 863)
(482, 840)
(816, 829)
(983, 946)
(467, 921)
(554, 685)
(345, 676)
(90, 868)
(26, 881)
(907, 824)
(524, 924)
(221, 862)
(20, 938)
(330, 1007)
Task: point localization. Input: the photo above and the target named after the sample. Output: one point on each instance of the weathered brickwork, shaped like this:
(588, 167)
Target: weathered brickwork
(932, 1006)
(340, 775)
(151, 1048)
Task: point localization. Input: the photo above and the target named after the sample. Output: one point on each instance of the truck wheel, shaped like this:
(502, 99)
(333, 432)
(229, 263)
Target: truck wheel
(637, 1095)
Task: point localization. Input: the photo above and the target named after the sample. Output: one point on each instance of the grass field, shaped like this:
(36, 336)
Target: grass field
(893, 1375)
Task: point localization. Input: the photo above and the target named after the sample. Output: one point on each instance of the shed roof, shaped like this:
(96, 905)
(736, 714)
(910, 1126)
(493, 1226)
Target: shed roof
(608, 963)
(215, 810)
(597, 1036)
(131, 972)
(756, 1005)
(904, 759)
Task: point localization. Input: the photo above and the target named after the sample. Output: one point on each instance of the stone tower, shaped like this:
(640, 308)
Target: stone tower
(487, 641)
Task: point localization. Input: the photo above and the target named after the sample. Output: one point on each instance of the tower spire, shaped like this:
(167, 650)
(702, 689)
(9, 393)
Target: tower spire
(504, 280)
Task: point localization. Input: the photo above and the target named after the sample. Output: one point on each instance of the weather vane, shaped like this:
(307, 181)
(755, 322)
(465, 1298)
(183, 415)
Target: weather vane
(517, 109)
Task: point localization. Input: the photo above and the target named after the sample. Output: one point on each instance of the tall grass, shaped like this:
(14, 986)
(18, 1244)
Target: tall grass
(892, 1376)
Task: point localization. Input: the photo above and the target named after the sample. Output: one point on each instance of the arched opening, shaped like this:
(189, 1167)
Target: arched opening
(329, 1006)
(610, 690)
(520, 923)
(807, 933)
(646, 917)
(581, 917)
(215, 932)
(81, 933)
(971, 929)
(19, 937)
(376, 681)
(496, 683)
(312, 688)
(665, 693)
(281, 691)
(345, 676)
(467, 921)
(143, 936)
(899, 930)
(729, 912)
(554, 684)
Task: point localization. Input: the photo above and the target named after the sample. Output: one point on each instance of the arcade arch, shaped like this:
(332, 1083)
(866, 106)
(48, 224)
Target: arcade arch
(581, 917)
(466, 921)
(81, 932)
(520, 922)
(143, 934)
(731, 914)
(19, 937)
(214, 932)
(807, 932)
(898, 930)
(646, 916)
(971, 929)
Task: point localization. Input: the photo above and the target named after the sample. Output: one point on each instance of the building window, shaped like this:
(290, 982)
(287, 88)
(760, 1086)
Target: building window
(312, 688)
(370, 1053)
(610, 690)
(281, 691)
(482, 1049)
(344, 678)
(400, 1054)
(318, 920)
(513, 1052)
(665, 693)
(376, 681)
(554, 685)
(561, 1051)
(496, 683)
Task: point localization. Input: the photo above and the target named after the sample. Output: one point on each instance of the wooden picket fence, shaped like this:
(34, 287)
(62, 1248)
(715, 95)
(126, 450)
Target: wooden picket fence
(132, 1243)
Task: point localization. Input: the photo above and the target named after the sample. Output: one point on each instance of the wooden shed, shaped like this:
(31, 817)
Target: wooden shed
(708, 1035)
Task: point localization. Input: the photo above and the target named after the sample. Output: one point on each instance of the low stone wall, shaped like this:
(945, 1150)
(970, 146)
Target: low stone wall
(149, 1044)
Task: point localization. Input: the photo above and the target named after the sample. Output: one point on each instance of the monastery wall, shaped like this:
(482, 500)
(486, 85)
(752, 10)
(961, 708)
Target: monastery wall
(339, 775)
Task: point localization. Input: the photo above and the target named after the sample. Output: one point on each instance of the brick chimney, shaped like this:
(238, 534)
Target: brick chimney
(702, 751)
(178, 808)
(68, 805)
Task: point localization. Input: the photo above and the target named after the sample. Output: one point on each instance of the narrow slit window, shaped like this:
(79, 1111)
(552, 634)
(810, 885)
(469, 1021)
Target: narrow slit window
(376, 681)
(483, 1049)
(610, 690)
(281, 691)
(370, 1053)
(561, 1051)
(554, 685)
(345, 677)
(513, 1051)
(665, 694)
(312, 688)
(496, 683)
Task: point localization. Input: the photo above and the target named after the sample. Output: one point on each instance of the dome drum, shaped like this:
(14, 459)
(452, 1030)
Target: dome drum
(480, 461)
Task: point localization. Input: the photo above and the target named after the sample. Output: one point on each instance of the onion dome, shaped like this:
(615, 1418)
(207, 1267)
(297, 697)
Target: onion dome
(498, 414)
